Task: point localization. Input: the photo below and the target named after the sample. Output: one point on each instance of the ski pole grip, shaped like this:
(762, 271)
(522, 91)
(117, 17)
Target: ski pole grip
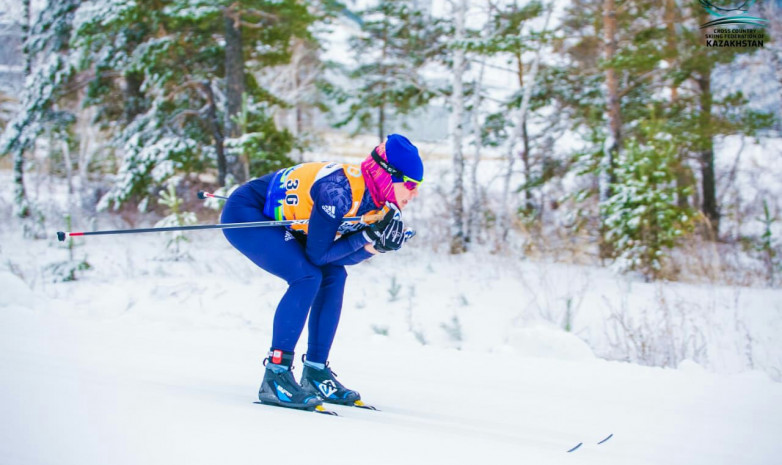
(369, 219)
(60, 236)
(201, 195)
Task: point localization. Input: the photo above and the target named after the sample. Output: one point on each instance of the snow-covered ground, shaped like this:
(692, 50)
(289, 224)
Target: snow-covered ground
(85, 382)
(149, 361)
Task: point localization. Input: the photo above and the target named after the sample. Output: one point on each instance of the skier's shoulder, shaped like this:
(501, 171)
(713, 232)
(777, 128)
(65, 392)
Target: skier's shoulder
(332, 189)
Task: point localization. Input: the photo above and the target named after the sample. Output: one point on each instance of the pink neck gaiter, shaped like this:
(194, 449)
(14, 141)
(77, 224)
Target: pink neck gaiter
(378, 181)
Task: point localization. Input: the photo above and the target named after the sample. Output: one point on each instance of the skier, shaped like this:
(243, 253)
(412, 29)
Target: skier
(312, 257)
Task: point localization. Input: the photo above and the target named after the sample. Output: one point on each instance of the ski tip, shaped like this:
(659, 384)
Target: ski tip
(323, 410)
(60, 236)
(361, 404)
(577, 446)
(606, 439)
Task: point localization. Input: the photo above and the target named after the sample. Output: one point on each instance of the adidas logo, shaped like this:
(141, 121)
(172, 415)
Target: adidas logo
(330, 210)
(289, 236)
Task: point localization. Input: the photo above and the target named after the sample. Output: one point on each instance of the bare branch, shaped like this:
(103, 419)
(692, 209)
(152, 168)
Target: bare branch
(235, 12)
(635, 82)
(183, 114)
(84, 80)
(261, 14)
(253, 25)
(197, 85)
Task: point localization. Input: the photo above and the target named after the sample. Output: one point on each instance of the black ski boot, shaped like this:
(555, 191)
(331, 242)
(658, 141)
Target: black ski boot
(279, 387)
(323, 382)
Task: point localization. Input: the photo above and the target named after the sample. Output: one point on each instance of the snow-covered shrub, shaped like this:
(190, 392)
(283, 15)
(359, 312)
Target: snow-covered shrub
(767, 246)
(394, 289)
(453, 329)
(66, 270)
(663, 335)
(642, 219)
(177, 217)
(382, 330)
(412, 326)
(35, 225)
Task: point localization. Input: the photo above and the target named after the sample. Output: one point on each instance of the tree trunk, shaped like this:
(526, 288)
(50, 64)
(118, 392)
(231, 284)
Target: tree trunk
(671, 52)
(683, 175)
(525, 156)
(612, 99)
(475, 210)
(503, 220)
(706, 155)
(21, 204)
(87, 134)
(234, 89)
(134, 97)
(458, 242)
(381, 122)
(217, 131)
(381, 116)
(66, 157)
(613, 144)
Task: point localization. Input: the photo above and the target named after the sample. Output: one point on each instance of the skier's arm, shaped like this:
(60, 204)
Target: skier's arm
(355, 258)
(332, 202)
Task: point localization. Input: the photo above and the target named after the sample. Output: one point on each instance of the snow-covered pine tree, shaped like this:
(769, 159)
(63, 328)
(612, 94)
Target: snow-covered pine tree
(654, 62)
(397, 40)
(184, 63)
(708, 111)
(642, 218)
(49, 71)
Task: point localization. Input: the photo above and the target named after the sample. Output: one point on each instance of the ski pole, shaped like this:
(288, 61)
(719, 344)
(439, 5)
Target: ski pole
(203, 195)
(61, 235)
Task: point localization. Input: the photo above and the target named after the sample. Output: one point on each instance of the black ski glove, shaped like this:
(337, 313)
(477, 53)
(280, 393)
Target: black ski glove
(393, 237)
(387, 234)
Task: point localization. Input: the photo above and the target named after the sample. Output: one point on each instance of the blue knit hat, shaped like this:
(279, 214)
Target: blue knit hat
(403, 155)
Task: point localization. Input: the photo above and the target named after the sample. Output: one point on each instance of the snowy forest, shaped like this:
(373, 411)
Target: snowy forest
(601, 184)
(606, 123)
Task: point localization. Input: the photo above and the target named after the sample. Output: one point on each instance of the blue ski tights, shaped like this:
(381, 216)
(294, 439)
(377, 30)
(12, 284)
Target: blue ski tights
(313, 290)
